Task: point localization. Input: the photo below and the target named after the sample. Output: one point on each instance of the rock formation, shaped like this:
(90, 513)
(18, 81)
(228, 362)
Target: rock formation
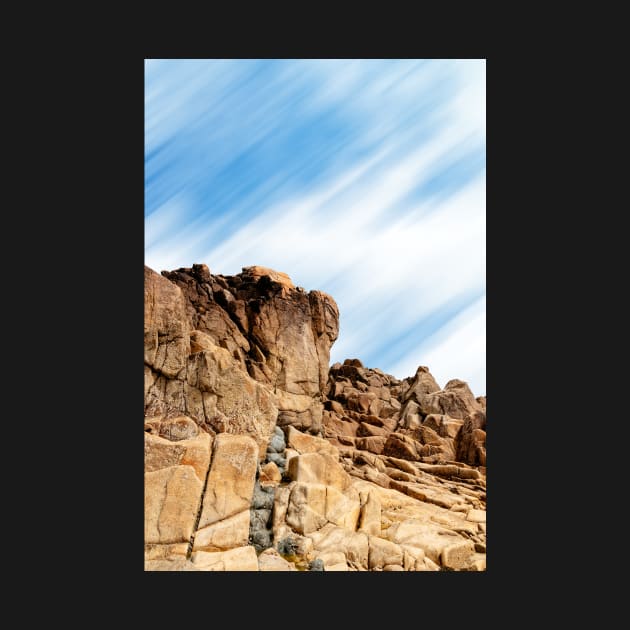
(260, 457)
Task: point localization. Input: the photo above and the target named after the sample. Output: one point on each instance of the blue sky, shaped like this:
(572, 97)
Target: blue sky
(362, 178)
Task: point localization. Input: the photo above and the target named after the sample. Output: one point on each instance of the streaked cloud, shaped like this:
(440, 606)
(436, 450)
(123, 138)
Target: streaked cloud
(362, 178)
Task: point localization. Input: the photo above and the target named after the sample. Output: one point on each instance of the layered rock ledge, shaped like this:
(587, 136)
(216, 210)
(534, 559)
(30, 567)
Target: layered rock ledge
(261, 457)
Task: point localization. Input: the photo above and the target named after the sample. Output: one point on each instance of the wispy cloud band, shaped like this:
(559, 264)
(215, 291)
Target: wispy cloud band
(362, 178)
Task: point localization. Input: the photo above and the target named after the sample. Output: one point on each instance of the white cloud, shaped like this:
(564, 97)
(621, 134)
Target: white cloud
(388, 260)
(458, 350)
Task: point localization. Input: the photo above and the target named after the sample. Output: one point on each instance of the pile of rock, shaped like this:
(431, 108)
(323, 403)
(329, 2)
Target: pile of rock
(258, 457)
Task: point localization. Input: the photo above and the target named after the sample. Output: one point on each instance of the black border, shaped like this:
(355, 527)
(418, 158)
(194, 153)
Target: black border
(110, 165)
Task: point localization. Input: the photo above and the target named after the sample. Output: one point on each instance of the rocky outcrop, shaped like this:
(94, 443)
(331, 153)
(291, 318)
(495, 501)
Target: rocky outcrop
(259, 457)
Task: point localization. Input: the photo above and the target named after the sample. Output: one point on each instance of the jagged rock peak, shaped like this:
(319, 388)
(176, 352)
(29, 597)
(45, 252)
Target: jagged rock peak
(259, 457)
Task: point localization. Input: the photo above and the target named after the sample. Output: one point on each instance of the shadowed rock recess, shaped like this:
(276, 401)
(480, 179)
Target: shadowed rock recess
(260, 457)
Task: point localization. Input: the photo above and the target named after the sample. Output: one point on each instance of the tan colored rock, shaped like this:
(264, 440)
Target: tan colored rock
(230, 484)
(430, 565)
(166, 326)
(368, 430)
(271, 560)
(164, 552)
(455, 400)
(343, 509)
(444, 426)
(171, 502)
(422, 385)
(370, 517)
(296, 335)
(410, 417)
(383, 552)
(217, 393)
(374, 444)
(318, 468)
(334, 561)
(455, 521)
(476, 516)
(294, 547)
(230, 532)
(298, 410)
(256, 272)
(246, 407)
(196, 452)
(401, 446)
(409, 467)
(306, 511)
(458, 555)
(472, 440)
(430, 537)
(335, 426)
(279, 513)
(423, 492)
(208, 303)
(200, 341)
(172, 429)
(269, 475)
(289, 454)
(353, 545)
(413, 558)
(304, 443)
(239, 559)
(335, 407)
(175, 563)
(429, 436)
(476, 563)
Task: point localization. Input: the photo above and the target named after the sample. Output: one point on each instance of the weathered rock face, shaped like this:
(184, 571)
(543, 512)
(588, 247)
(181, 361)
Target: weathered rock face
(258, 457)
(236, 353)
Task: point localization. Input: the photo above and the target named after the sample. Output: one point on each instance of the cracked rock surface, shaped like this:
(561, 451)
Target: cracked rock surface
(259, 456)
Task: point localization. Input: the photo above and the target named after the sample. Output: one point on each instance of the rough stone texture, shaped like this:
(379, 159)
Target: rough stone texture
(224, 520)
(401, 446)
(383, 552)
(303, 443)
(172, 429)
(343, 509)
(278, 333)
(353, 545)
(229, 532)
(306, 512)
(238, 559)
(270, 474)
(338, 469)
(432, 538)
(458, 555)
(171, 502)
(476, 516)
(164, 552)
(472, 441)
(160, 453)
(422, 384)
(271, 560)
(444, 426)
(455, 400)
(232, 401)
(319, 468)
(370, 517)
(230, 485)
(166, 326)
(174, 563)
